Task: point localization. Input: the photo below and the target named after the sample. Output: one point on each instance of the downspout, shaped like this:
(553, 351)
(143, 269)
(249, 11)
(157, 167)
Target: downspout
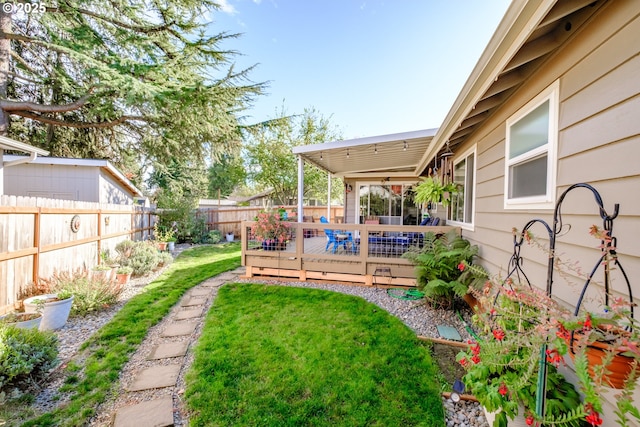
(29, 159)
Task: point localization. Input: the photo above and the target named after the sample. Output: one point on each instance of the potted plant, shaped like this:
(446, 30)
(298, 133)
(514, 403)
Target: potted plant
(55, 308)
(230, 236)
(22, 320)
(271, 230)
(163, 236)
(123, 274)
(526, 331)
(432, 190)
(102, 270)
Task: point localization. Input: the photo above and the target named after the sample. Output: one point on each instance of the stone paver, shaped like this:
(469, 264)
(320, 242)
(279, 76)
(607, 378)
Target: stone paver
(155, 377)
(156, 413)
(200, 292)
(170, 349)
(191, 313)
(178, 329)
(188, 302)
(212, 283)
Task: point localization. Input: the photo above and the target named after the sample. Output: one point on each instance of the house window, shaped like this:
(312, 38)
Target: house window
(530, 157)
(464, 176)
(391, 203)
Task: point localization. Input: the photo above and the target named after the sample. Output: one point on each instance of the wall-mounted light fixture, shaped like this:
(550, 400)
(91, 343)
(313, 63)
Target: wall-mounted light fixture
(375, 149)
(347, 153)
(321, 155)
(405, 146)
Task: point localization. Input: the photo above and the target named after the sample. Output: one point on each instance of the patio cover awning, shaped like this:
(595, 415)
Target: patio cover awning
(394, 154)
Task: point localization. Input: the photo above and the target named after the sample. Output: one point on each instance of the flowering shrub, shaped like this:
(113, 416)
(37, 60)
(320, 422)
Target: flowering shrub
(269, 227)
(522, 330)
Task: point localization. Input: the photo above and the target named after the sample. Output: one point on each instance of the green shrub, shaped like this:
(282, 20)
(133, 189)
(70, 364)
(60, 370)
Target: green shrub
(214, 236)
(92, 292)
(25, 354)
(165, 258)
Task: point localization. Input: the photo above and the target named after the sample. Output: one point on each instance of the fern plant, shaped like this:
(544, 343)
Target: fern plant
(442, 267)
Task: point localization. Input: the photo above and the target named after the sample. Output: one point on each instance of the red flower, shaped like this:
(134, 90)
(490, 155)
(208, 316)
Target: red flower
(503, 389)
(587, 323)
(529, 420)
(498, 334)
(464, 361)
(562, 332)
(594, 418)
(461, 266)
(553, 357)
(475, 359)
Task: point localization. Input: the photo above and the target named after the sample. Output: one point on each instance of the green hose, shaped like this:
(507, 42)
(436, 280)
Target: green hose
(467, 327)
(405, 294)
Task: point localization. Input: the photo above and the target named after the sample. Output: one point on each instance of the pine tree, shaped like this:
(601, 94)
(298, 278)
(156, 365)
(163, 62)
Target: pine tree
(120, 78)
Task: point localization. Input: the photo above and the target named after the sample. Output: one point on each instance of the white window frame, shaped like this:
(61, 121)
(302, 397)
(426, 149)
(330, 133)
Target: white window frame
(546, 201)
(465, 155)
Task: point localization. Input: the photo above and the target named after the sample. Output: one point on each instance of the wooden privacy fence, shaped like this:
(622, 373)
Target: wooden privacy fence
(229, 219)
(40, 236)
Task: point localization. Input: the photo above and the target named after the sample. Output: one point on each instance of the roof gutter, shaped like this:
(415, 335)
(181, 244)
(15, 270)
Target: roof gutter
(33, 155)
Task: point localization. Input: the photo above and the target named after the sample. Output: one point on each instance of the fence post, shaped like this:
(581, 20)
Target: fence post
(36, 244)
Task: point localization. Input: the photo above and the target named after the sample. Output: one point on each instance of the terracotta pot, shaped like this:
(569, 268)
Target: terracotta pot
(162, 246)
(472, 302)
(619, 368)
(123, 278)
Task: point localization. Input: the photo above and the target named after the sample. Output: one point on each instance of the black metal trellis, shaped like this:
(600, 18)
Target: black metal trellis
(608, 249)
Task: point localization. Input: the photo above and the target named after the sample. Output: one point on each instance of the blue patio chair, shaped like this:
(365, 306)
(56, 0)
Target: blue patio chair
(337, 238)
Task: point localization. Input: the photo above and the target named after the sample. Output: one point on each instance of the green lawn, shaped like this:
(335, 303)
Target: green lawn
(280, 356)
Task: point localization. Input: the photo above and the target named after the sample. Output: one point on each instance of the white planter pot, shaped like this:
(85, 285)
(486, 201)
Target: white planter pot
(171, 246)
(230, 237)
(54, 314)
(26, 324)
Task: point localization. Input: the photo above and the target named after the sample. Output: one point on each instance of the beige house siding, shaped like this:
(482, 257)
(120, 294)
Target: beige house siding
(599, 143)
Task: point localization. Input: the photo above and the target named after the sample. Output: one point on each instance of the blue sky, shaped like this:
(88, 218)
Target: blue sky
(373, 67)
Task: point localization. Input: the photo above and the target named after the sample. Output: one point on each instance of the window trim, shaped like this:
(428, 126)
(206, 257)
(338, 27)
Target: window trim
(546, 201)
(467, 225)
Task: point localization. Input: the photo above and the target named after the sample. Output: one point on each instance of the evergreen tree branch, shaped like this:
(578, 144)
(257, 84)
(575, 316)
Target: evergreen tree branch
(11, 106)
(78, 125)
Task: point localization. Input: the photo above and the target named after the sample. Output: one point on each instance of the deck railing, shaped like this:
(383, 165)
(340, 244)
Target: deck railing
(366, 253)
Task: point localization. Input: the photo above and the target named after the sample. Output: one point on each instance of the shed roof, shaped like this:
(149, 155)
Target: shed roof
(105, 165)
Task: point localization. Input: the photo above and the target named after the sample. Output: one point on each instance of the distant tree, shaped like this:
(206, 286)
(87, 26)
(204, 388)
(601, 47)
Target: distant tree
(273, 165)
(117, 79)
(225, 175)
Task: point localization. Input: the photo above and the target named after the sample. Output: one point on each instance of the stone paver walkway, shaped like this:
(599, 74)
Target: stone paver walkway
(168, 358)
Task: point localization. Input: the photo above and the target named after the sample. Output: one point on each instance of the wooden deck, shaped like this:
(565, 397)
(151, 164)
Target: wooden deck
(371, 254)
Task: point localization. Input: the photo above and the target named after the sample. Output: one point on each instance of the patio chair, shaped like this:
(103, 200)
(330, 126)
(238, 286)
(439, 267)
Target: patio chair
(337, 238)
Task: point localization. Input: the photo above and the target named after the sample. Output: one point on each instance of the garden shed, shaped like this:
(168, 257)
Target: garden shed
(88, 180)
